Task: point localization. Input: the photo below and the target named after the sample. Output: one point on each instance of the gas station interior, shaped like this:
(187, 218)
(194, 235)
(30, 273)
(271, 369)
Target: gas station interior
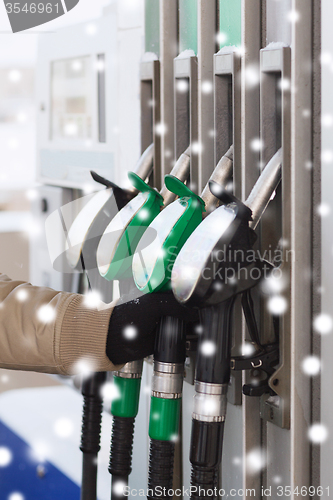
(212, 90)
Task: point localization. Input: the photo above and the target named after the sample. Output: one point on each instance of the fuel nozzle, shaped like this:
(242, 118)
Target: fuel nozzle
(124, 409)
(121, 237)
(169, 358)
(221, 175)
(210, 398)
(131, 223)
(152, 265)
(221, 241)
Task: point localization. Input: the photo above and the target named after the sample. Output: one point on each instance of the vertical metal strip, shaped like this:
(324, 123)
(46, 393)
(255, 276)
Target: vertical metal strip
(168, 51)
(151, 115)
(301, 155)
(316, 228)
(275, 133)
(207, 21)
(227, 110)
(101, 97)
(227, 120)
(251, 45)
(186, 111)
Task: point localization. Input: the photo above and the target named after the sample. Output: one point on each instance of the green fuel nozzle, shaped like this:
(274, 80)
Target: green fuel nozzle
(153, 260)
(152, 267)
(121, 237)
(118, 248)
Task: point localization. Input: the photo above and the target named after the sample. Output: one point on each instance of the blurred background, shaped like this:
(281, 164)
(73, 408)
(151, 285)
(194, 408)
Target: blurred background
(39, 454)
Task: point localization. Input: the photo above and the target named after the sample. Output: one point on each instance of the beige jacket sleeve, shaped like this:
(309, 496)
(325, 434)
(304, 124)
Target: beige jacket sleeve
(52, 332)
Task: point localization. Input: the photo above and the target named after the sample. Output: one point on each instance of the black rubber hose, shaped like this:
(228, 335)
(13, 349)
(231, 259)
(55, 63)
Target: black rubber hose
(91, 432)
(89, 476)
(120, 465)
(121, 446)
(118, 483)
(203, 482)
(160, 475)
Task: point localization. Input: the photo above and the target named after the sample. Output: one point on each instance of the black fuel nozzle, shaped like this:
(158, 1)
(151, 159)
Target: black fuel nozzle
(223, 240)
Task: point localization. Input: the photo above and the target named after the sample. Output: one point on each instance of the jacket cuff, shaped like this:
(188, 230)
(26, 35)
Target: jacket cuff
(80, 338)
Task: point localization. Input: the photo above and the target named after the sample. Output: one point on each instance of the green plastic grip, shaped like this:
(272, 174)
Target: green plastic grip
(127, 405)
(164, 418)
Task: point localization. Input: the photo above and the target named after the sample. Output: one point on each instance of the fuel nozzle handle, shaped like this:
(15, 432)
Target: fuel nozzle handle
(214, 347)
(181, 170)
(264, 188)
(221, 175)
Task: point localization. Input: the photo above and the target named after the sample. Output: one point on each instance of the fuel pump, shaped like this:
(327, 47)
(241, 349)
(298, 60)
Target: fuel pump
(82, 241)
(114, 259)
(152, 265)
(207, 281)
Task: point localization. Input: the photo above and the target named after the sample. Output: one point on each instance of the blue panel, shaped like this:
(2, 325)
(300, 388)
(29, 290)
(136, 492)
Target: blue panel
(21, 474)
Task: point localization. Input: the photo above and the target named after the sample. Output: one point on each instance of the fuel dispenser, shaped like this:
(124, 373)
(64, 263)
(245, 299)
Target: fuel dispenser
(215, 90)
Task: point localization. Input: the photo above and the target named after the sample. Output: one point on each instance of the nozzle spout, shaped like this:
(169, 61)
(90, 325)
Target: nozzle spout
(181, 170)
(144, 165)
(264, 188)
(221, 175)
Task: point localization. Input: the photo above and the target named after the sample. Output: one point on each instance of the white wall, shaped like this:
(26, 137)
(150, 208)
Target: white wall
(17, 139)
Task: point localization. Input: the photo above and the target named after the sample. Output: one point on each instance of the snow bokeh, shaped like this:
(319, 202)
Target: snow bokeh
(46, 313)
(255, 461)
(92, 299)
(311, 365)
(110, 392)
(323, 210)
(16, 495)
(323, 324)
(318, 433)
(118, 487)
(5, 456)
(22, 295)
(63, 427)
(130, 332)
(277, 305)
(257, 144)
(208, 348)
